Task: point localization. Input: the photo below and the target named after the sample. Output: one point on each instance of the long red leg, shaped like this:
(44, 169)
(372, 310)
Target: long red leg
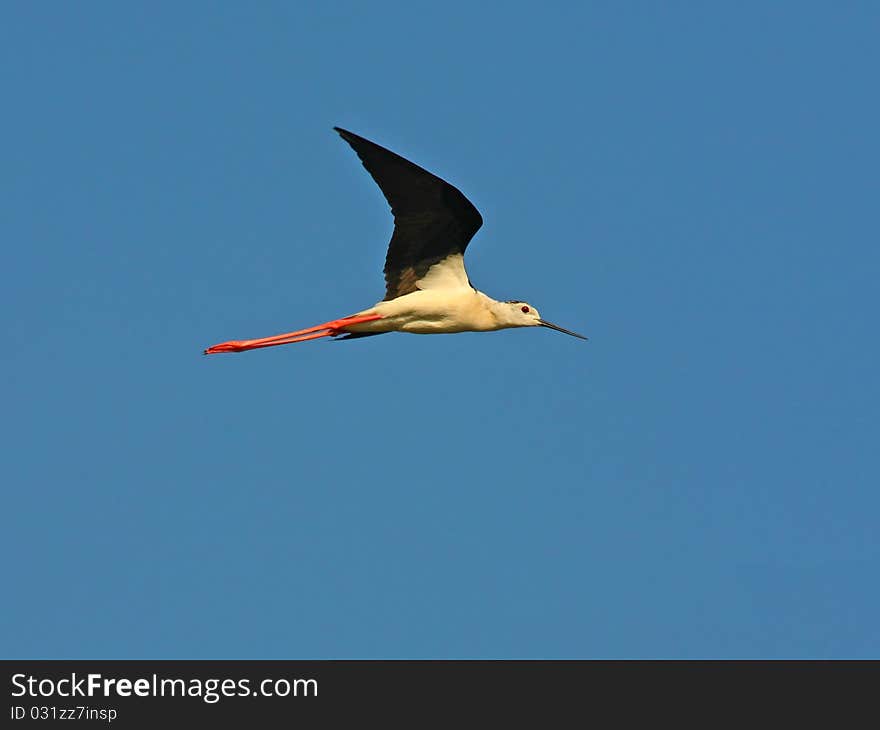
(310, 333)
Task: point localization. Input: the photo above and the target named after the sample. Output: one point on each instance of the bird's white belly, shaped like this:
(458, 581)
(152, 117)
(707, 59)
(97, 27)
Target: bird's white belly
(431, 312)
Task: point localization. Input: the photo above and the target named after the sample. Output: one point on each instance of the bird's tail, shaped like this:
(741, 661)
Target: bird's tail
(328, 329)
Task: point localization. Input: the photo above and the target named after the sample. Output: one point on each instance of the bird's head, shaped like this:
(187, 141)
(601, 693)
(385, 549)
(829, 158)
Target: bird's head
(522, 314)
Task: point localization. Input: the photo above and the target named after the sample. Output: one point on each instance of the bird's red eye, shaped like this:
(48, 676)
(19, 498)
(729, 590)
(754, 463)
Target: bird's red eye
(525, 310)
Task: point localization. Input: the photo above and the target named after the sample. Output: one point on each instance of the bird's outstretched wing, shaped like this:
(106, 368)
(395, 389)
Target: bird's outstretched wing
(433, 222)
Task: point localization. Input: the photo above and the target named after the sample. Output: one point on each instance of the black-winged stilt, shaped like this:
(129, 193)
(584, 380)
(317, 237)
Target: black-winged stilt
(427, 290)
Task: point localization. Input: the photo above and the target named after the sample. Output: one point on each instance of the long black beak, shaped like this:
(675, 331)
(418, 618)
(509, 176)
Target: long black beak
(556, 327)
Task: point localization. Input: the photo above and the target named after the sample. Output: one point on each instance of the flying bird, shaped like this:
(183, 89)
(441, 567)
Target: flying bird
(427, 290)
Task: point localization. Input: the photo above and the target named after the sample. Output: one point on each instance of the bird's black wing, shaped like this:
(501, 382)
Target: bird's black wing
(355, 335)
(432, 219)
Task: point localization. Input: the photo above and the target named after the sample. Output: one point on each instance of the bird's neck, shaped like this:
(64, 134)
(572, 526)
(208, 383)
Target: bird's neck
(499, 311)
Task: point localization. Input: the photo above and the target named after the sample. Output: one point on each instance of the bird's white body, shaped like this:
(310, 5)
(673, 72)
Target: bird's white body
(438, 311)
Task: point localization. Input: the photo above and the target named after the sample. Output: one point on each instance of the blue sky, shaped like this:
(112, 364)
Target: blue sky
(692, 185)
